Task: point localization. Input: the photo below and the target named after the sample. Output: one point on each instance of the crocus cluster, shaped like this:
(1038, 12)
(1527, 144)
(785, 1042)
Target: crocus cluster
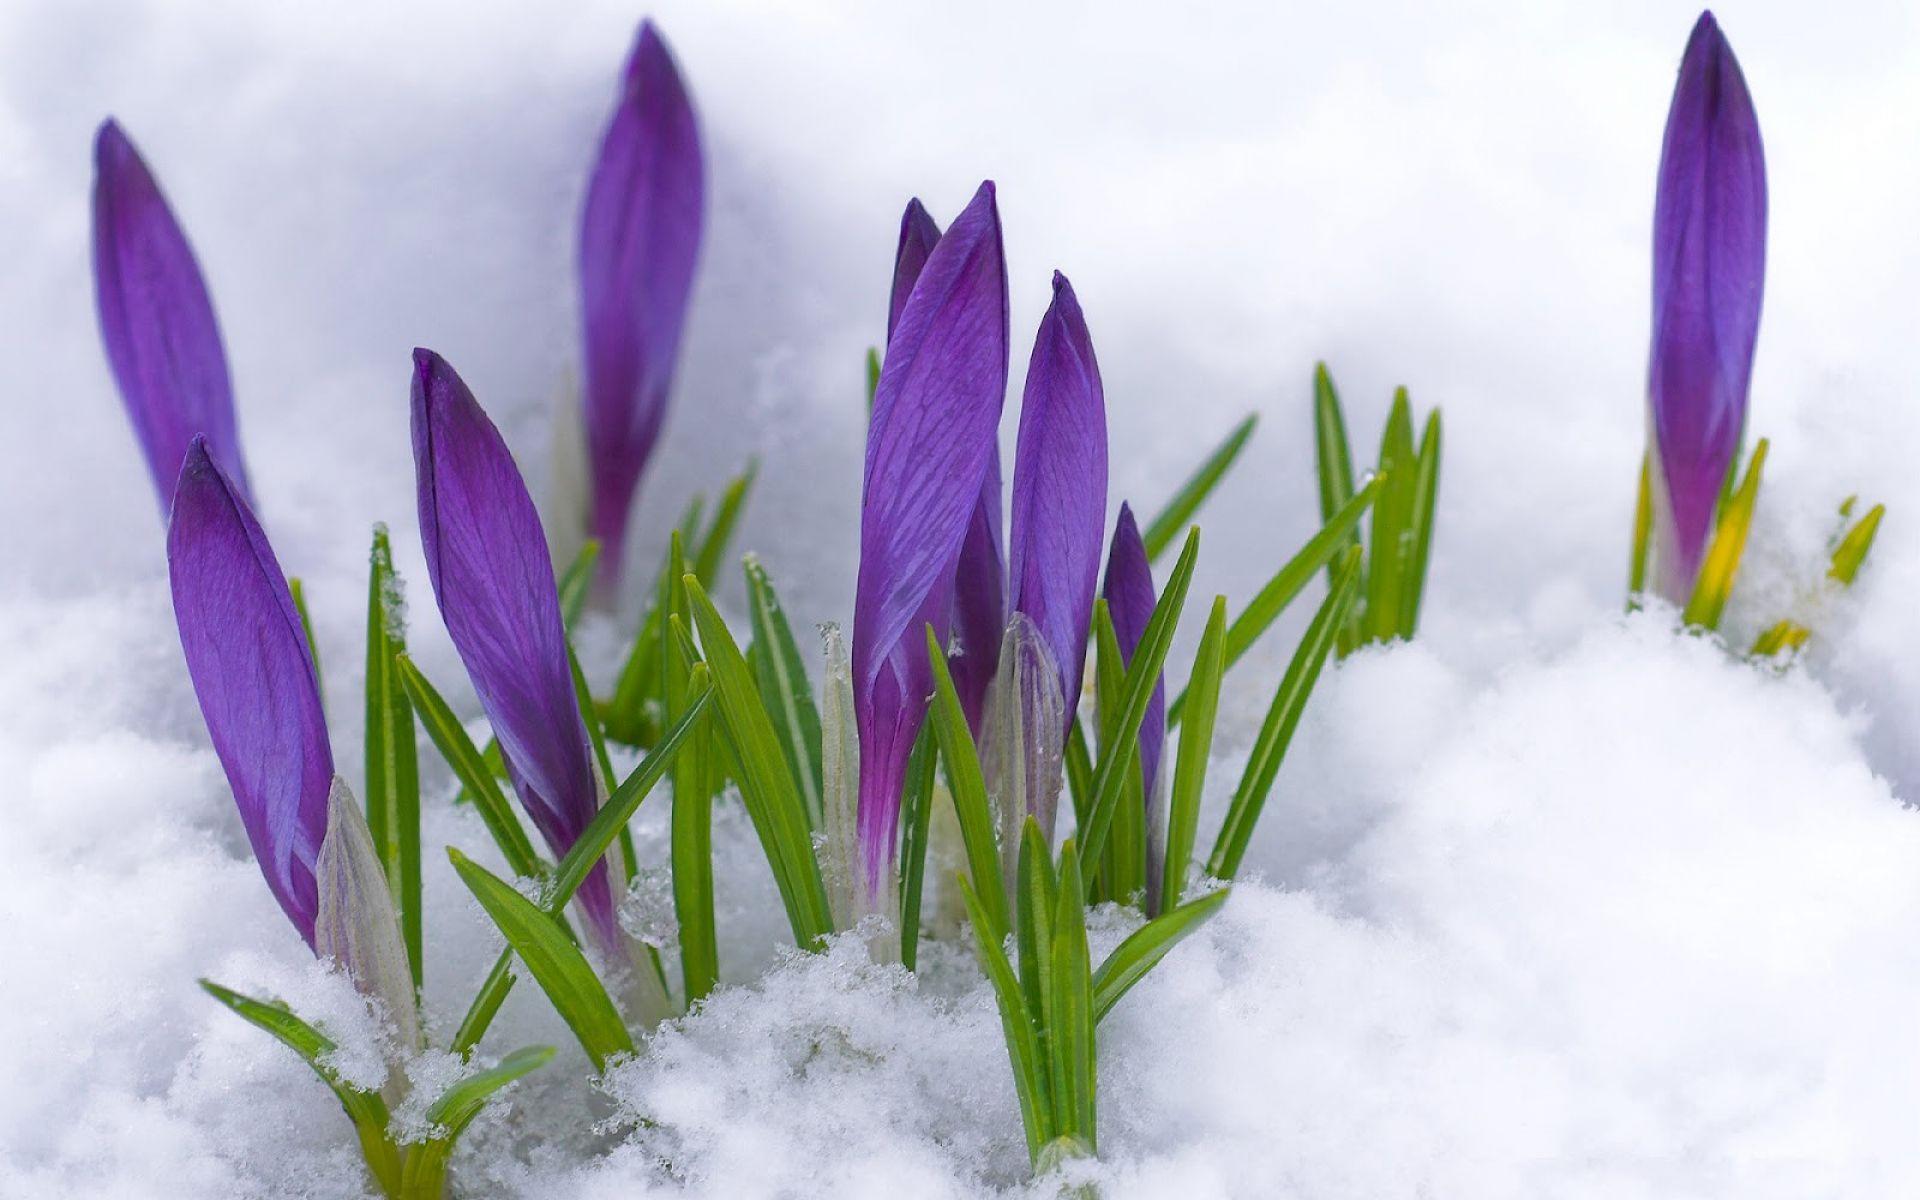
(1709, 269)
(930, 524)
(971, 631)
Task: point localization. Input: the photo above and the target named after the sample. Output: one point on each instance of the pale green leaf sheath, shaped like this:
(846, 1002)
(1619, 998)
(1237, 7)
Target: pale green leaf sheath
(358, 928)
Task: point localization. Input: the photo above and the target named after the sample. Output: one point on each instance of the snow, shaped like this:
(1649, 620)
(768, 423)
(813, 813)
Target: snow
(1553, 902)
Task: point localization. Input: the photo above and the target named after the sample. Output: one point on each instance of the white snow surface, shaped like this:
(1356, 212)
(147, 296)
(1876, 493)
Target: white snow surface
(1551, 903)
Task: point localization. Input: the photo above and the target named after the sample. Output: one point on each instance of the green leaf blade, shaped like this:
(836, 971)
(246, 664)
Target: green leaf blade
(553, 960)
(1145, 947)
(1178, 511)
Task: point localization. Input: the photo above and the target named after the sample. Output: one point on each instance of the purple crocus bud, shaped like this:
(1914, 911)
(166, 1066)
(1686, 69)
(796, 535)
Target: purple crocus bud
(980, 575)
(253, 674)
(1709, 265)
(1060, 488)
(1130, 597)
(929, 446)
(157, 321)
(488, 560)
(639, 238)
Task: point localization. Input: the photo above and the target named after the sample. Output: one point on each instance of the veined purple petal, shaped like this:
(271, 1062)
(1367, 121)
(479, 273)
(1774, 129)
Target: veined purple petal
(157, 321)
(253, 674)
(1130, 597)
(639, 240)
(1709, 267)
(1060, 488)
(980, 575)
(929, 447)
(918, 236)
(487, 557)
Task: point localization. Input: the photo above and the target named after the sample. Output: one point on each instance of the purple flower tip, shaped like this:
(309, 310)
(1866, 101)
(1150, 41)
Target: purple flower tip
(488, 562)
(639, 240)
(1130, 597)
(918, 236)
(929, 448)
(156, 319)
(980, 574)
(1709, 268)
(1060, 488)
(253, 674)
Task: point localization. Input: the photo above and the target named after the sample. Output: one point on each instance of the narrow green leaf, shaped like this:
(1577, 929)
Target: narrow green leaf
(1037, 895)
(1145, 947)
(692, 836)
(299, 592)
(873, 377)
(1079, 762)
(969, 789)
(366, 1110)
(1642, 533)
(1196, 745)
(916, 816)
(1426, 488)
(437, 718)
(1122, 867)
(1781, 635)
(785, 690)
(1030, 1082)
(1392, 511)
(1333, 460)
(1289, 581)
(461, 1103)
(726, 518)
(766, 785)
(624, 801)
(1109, 780)
(588, 849)
(1853, 548)
(555, 963)
(576, 582)
(1334, 463)
(486, 1003)
(1715, 582)
(1289, 701)
(426, 1162)
(1179, 511)
(597, 739)
(1069, 1012)
(392, 764)
(639, 683)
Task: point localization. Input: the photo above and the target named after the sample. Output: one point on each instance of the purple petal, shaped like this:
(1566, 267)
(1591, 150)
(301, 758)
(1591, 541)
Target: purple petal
(1130, 597)
(979, 582)
(253, 674)
(1060, 488)
(1709, 265)
(639, 238)
(157, 321)
(487, 558)
(918, 236)
(929, 447)
(980, 600)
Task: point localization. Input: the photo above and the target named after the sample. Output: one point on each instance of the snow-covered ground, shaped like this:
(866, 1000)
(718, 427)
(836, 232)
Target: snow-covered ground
(1552, 903)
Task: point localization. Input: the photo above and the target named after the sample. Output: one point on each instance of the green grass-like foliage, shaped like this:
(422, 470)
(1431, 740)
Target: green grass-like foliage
(1719, 570)
(1399, 538)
